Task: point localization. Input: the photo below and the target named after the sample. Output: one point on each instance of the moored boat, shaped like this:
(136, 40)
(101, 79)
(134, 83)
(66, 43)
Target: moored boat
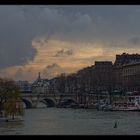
(128, 103)
(121, 103)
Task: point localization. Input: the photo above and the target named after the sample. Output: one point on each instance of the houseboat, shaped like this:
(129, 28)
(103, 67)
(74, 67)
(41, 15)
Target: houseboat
(127, 103)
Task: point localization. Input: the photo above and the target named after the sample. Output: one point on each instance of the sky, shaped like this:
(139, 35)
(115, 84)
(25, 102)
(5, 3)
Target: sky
(55, 39)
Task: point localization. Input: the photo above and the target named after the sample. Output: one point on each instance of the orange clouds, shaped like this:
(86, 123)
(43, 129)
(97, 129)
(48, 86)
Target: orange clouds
(64, 56)
(47, 53)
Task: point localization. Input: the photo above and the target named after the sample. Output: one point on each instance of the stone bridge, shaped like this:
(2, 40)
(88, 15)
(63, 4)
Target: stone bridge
(31, 100)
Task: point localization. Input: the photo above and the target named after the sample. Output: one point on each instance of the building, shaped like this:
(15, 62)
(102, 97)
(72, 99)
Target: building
(131, 76)
(86, 79)
(126, 58)
(122, 72)
(104, 75)
(25, 86)
(40, 85)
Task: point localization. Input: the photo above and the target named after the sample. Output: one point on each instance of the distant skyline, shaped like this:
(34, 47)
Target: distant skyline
(57, 39)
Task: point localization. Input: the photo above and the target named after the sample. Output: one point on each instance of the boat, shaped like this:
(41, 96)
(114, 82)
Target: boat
(128, 103)
(104, 105)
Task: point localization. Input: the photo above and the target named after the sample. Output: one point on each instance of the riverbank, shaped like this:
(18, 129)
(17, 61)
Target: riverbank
(5, 119)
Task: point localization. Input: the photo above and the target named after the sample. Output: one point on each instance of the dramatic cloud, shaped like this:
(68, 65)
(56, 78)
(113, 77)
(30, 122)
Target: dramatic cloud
(52, 70)
(15, 38)
(70, 36)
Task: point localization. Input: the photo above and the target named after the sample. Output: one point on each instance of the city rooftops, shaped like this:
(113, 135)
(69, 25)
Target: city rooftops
(131, 64)
(126, 58)
(103, 62)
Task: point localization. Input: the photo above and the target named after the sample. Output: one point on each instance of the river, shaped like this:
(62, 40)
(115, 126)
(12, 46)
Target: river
(62, 121)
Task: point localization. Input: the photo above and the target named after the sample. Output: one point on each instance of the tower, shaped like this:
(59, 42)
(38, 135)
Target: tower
(39, 77)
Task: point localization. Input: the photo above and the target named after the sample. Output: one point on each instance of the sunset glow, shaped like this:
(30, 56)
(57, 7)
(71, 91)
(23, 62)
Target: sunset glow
(56, 39)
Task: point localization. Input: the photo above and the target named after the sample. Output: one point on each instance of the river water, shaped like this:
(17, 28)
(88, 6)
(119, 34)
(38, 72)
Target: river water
(62, 121)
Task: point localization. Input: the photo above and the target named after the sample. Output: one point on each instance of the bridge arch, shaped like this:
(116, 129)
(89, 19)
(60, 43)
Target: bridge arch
(49, 102)
(67, 103)
(27, 103)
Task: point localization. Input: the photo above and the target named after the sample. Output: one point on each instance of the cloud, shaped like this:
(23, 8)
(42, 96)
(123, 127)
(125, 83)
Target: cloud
(64, 53)
(23, 74)
(15, 38)
(52, 70)
(33, 35)
(134, 41)
(85, 54)
(69, 52)
(4, 74)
